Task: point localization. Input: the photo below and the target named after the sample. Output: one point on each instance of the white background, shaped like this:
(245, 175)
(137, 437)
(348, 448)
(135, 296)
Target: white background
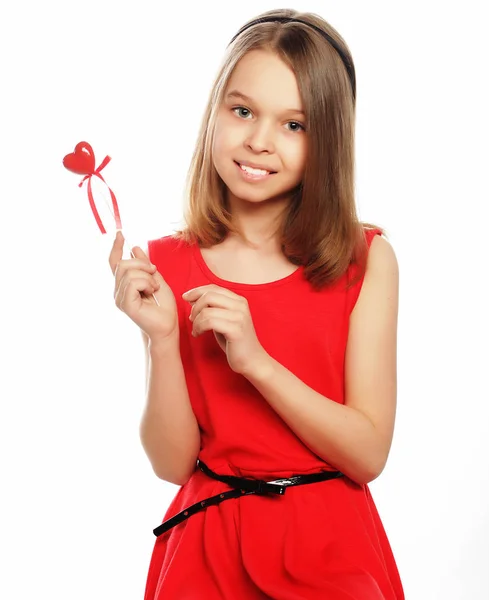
(79, 498)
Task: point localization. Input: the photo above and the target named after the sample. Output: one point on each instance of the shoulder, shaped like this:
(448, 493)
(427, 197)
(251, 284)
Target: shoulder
(171, 256)
(381, 258)
(163, 246)
(381, 281)
(380, 262)
(165, 241)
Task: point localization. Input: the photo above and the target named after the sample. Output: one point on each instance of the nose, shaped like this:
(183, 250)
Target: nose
(260, 138)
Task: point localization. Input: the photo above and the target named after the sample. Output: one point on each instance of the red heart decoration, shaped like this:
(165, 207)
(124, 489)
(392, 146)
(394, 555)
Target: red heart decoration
(82, 160)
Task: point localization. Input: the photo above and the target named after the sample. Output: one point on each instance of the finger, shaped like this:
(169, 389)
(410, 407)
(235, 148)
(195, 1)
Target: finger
(139, 253)
(116, 252)
(218, 300)
(218, 313)
(131, 292)
(132, 266)
(219, 323)
(135, 264)
(135, 274)
(194, 294)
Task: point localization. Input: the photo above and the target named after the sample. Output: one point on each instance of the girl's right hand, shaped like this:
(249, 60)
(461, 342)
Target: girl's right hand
(135, 282)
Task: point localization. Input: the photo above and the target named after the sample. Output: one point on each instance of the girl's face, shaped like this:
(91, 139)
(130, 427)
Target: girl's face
(260, 123)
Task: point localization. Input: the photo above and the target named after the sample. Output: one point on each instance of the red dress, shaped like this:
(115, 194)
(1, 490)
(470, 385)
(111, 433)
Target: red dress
(323, 540)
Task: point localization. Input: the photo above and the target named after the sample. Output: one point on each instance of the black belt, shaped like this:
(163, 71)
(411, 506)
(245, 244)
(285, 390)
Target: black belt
(242, 487)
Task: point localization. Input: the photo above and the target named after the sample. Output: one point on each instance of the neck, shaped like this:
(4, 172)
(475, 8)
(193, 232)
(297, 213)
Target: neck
(258, 222)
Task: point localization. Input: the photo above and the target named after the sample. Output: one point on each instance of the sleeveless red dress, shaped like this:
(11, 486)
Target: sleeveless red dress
(322, 540)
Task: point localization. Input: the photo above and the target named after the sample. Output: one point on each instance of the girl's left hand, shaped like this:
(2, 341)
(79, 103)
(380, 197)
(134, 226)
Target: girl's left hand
(228, 315)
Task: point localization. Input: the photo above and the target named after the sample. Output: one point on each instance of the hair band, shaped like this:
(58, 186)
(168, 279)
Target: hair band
(348, 65)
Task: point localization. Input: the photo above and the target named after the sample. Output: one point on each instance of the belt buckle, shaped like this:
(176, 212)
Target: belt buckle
(281, 482)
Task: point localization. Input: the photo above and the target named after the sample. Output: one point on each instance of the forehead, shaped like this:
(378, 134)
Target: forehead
(265, 78)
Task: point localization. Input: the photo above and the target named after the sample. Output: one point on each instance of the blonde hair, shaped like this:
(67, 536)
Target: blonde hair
(320, 228)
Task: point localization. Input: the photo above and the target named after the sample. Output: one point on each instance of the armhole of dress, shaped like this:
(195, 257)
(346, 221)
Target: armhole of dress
(158, 251)
(166, 254)
(354, 292)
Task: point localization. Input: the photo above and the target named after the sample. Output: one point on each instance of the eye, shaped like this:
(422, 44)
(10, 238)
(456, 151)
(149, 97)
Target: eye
(241, 108)
(299, 125)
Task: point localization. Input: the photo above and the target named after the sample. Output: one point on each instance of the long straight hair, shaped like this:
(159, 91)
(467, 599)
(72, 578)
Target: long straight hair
(320, 228)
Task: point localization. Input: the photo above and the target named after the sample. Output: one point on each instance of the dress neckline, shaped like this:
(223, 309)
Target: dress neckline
(237, 285)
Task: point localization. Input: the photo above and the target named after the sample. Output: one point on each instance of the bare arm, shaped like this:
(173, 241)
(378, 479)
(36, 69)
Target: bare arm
(354, 437)
(168, 431)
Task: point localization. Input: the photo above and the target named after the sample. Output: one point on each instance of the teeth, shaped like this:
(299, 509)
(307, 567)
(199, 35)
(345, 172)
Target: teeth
(254, 171)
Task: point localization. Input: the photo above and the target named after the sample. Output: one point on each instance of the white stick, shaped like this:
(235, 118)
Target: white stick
(125, 239)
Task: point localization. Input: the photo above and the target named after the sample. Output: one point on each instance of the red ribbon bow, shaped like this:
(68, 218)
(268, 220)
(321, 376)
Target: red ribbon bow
(82, 162)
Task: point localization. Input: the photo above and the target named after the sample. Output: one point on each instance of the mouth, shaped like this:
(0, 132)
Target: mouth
(262, 175)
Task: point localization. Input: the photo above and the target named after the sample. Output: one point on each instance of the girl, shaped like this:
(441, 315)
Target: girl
(271, 380)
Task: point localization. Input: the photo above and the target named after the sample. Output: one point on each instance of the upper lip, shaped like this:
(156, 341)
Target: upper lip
(247, 163)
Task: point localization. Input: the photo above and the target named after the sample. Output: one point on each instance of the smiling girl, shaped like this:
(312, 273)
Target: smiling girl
(271, 354)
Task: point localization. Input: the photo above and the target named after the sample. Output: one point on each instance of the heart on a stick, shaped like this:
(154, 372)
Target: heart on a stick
(82, 160)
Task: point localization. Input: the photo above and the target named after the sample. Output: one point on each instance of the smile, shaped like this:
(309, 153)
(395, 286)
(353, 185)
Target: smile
(250, 174)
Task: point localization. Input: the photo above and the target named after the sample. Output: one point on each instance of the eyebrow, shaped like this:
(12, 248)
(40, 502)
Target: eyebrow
(238, 94)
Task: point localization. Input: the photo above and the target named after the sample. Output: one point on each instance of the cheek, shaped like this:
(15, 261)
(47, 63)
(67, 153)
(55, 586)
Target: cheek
(223, 126)
(217, 141)
(296, 156)
(302, 159)
(218, 151)
(222, 150)
(222, 143)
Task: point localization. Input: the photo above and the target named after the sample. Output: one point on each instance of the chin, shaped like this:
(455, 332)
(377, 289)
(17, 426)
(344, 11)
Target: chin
(257, 198)
(244, 190)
